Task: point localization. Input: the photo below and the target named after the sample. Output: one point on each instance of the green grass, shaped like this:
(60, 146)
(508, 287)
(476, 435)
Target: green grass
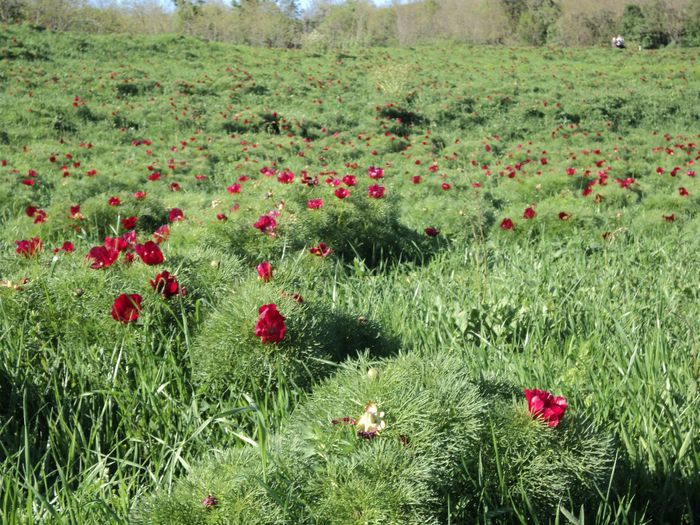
(96, 416)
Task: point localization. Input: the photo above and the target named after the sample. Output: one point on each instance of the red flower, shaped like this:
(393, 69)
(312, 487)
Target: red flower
(625, 183)
(174, 186)
(681, 191)
(432, 232)
(221, 216)
(150, 253)
(564, 216)
(75, 212)
(126, 308)
(321, 250)
(375, 173)
(266, 224)
(102, 257)
(166, 285)
(544, 405)
(670, 218)
(30, 211)
(350, 180)
(175, 215)
(529, 213)
(67, 247)
(39, 217)
(130, 222)
(114, 201)
(118, 244)
(162, 234)
(342, 193)
(29, 248)
(139, 195)
(286, 177)
(270, 326)
(375, 191)
(445, 186)
(234, 188)
(416, 179)
(507, 224)
(314, 204)
(264, 271)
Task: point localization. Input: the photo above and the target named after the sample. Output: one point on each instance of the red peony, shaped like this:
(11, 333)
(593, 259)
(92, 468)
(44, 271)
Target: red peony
(545, 406)
(314, 204)
(130, 222)
(375, 191)
(529, 213)
(321, 250)
(270, 326)
(265, 271)
(150, 253)
(29, 248)
(342, 193)
(266, 224)
(166, 285)
(175, 215)
(507, 224)
(126, 308)
(102, 257)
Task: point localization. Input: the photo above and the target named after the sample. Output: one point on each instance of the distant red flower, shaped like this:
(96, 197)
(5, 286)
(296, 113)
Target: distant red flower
(154, 176)
(342, 193)
(28, 182)
(130, 238)
(166, 285)
(150, 253)
(660, 170)
(270, 326)
(375, 173)
(350, 180)
(139, 195)
(29, 248)
(118, 244)
(265, 224)
(221, 217)
(31, 211)
(234, 188)
(529, 213)
(102, 257)
(681, 191)
(314, 204)
(67, 247)
(545, 406)
(174, 186)
(161, 234)
(507, 224)
(175, 215)
(375, 191)
(670, 218)
(75, 212)
(40, 216)
(564, 216)
(625, 183)
(321, 250)
(209, 502)
(130, 222)
(446, 186)
(570, 171)
(114, 201)
(432, 232)
(285, 177)
(126, 308)
(416, 179)
(264, 271)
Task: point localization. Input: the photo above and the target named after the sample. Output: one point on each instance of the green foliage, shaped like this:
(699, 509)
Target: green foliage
(446, 439)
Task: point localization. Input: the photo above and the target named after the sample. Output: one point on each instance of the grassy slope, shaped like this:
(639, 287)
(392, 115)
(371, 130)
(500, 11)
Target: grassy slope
(93, 414)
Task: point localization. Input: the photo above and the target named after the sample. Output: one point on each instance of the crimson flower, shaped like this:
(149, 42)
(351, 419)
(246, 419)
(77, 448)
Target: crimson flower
(102, 257)
(507, 224)
(321, 250)
(529, 213)
(446, 186)
(670, 218)
(162, 234)
(31, 211)
(545, 406)
(342, 193)
(118, 244)
(286, 177)
(270, 326)
(40, 216)
(265, 224)
(416, 179)
(432, 232)
(375, 173)
(29, 248)
(234, 188)
(130, 222)
(314, 204)
(150, 253)
(350, 180)
(375, 191)
(264, 271)
(564, 216)
(221, 217)
(75, 212)
(67, 247)
(139, 195)
(681, 191)
(175, 215)
(166, 285)
(114, 201)
(126, 308)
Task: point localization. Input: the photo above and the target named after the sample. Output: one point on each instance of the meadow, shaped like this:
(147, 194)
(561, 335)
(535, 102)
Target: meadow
(243, 285)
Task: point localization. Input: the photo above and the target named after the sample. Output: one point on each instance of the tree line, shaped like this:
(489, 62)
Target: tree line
(334, 24)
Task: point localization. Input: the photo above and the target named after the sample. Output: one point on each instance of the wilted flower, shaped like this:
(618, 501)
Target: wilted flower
(29, 248)
(166, 285)
(321, 250)
(371, 422)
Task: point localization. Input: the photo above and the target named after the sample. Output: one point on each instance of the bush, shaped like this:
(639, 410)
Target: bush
(447, 441)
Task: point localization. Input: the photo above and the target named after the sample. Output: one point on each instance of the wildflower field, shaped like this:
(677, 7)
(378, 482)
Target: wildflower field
(443, 284)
